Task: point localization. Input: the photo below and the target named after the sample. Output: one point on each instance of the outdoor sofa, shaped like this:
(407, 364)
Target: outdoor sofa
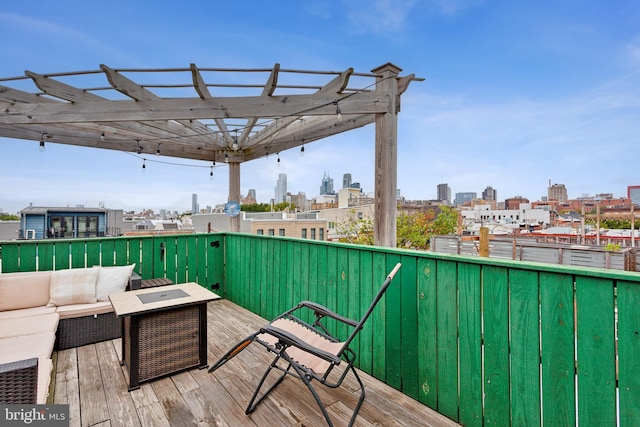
(46, 310)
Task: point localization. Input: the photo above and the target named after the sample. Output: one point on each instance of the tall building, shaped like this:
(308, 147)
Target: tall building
(346, 180)
(444, 193)
(557, 192)
(194, 204)
(490, 194)
(633, 192)
(327, 185)
(462, 198)
(281, 188)
(250, 199)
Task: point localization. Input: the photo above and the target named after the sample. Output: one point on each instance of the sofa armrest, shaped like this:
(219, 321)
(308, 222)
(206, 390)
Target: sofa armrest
(135, 282)
(19, 382)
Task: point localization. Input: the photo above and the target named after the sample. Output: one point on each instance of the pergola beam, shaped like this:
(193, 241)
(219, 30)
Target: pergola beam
(77, 97)
(333, 88)
(138, 93)
(194, 109)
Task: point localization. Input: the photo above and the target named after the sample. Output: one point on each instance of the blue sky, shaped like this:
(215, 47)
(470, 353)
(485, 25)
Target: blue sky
(515, 93)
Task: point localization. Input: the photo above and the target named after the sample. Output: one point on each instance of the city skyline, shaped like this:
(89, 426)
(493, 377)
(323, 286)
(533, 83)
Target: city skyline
(514, 94)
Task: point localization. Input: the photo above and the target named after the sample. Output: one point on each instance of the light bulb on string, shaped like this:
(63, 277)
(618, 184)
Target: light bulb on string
(158, 150)
(278, 159)
(234, 146)
(302, 151)
(42, 135)
(144, 165)
(338, 112)
(102, 137)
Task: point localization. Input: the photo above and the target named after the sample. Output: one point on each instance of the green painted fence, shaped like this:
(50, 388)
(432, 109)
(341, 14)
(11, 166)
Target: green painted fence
(181, 258)
(482, 341)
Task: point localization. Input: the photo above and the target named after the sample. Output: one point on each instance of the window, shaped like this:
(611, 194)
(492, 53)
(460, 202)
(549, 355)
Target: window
(281, 232)
(271, 232)
(321, 236)
(87, 226)
(313, 233)
(304, 233)
(260, 231)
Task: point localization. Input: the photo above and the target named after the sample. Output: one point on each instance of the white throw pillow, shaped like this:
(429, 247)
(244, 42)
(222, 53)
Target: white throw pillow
(73, 286)
(112, 280)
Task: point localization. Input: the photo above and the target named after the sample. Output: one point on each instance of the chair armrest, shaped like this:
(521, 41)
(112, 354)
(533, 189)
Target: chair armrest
(22, 376)
(135, 282)
(291, 340)
(322, 311)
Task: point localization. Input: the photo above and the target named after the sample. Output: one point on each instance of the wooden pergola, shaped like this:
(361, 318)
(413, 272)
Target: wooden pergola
(184, 113)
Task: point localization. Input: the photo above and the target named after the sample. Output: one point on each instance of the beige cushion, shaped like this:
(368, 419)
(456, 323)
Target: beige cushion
(73, 286)
(35, 311)
(44, 378)
(26, 347)
(24, 290)
(80, 310)
(112, 280)
(29, 325)
(317, 364)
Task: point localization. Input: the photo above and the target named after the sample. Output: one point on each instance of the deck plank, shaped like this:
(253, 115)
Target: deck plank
(91, 380)
(93, 402)
(175, 408)
(67, 388)
(122, 410)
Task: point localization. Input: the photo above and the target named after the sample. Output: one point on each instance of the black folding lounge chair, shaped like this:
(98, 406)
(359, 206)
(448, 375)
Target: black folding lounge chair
(309, 351)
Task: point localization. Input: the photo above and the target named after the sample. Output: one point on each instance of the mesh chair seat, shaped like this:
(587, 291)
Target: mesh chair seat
(309, 336)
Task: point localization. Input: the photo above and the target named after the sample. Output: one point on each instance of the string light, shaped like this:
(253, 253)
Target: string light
(158, 150)
(102, 137)
(139, 149)
(226, 157)
(338, 112)
(302, 151)
(278, 154)
(144, 164)
(235, 141)
(42, 135)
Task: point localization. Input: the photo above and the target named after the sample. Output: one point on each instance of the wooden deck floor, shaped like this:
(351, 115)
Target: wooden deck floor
(91, 380)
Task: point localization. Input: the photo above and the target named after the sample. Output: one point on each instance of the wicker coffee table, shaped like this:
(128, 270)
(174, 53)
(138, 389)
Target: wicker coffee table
(164, 330)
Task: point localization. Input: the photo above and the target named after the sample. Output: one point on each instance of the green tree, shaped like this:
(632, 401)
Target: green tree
(413, 231)
(613, 223)
(266, 207)
(9, 217)
(355, 230)
(256, 207)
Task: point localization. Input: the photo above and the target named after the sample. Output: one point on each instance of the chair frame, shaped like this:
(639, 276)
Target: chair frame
(286, 340)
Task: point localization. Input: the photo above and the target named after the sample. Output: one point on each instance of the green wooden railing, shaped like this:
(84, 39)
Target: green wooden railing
(182, 258)
(482, 341)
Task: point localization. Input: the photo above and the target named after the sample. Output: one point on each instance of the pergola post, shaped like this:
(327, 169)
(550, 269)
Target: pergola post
(234, 193)
(386, 160)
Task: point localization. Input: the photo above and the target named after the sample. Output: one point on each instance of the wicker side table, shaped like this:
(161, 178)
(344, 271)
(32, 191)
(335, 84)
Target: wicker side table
(164, 330)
